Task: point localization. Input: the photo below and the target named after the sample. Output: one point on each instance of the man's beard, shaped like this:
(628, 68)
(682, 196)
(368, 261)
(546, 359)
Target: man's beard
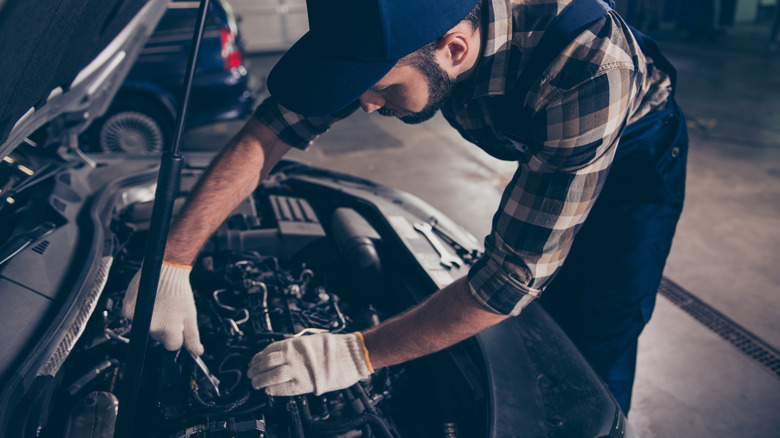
(440, 87)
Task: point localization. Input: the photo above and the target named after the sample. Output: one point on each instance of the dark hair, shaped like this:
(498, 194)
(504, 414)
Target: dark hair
(422, 57)
(475, 16)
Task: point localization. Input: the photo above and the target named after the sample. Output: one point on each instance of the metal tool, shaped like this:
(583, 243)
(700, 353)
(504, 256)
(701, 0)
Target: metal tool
(209, 377)
(446, 258)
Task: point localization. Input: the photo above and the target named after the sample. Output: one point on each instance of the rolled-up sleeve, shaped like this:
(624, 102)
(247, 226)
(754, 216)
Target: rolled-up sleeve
(294, 129)
(572, 140)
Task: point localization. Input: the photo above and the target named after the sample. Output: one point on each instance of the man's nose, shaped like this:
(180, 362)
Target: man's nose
(371, 101)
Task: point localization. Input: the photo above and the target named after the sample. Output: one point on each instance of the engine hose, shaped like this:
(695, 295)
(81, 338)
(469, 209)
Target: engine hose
(305, 409)
(361, 393)
(296, 424)
(213, 408)
(379, 426)
(336, 428)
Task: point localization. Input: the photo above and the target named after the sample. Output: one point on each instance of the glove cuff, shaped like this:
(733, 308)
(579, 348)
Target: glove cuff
(176, 265)
(364, 350)
(356, 363)
(177, 277)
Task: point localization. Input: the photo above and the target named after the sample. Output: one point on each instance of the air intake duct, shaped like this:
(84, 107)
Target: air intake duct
(356, 238)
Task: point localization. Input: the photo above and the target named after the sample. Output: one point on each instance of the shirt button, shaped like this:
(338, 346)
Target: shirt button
(675, 152)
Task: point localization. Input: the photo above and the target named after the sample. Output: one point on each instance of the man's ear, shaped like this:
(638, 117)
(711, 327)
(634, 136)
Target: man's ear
(456, 48)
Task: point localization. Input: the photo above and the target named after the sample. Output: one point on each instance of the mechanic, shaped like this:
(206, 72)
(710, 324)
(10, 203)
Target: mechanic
(591, 97)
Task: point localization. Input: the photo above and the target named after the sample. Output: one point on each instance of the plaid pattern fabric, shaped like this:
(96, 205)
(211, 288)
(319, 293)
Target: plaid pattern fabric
(563, 136)
(294, 129)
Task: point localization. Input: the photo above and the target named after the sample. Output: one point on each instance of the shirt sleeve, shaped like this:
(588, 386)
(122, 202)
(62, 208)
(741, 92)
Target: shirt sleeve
(573, 137)
(294, 129)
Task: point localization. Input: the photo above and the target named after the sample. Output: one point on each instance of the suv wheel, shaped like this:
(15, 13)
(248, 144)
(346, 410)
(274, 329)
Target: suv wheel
(134, 128)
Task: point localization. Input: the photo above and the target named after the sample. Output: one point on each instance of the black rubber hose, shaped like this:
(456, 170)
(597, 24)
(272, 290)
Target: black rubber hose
(296, 425)
(335, 428)
(363, 395)
(224, 408)
(378, 425)
(305, 409)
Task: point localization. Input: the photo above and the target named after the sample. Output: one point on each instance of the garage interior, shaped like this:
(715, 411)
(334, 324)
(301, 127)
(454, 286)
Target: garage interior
(708, 363)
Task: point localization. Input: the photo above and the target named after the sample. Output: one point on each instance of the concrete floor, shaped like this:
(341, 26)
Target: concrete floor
(690, 382)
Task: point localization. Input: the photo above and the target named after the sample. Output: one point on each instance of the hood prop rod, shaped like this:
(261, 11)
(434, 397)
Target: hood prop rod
(167, 189)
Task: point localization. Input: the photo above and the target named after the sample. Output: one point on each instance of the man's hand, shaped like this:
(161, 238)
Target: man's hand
(174, 319)
(317, 363)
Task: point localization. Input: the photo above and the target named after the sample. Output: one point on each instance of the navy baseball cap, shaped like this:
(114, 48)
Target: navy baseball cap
(352, 44)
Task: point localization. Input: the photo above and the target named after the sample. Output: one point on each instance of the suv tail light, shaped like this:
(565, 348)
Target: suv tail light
(231, 55)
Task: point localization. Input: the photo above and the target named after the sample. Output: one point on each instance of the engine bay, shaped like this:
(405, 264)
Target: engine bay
(279, 267)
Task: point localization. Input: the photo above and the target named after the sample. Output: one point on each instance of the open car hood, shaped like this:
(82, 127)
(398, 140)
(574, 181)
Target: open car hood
(65, 60)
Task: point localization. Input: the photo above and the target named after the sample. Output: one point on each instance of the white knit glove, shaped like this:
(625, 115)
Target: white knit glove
(174, 319)
(317, 363)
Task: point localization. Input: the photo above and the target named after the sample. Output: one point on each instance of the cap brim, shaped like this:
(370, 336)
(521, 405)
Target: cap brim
(308, 81)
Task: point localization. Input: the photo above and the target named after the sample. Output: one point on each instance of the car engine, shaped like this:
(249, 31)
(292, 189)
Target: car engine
(271, 272)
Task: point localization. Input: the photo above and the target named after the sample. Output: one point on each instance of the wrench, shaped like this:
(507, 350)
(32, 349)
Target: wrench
(445, 257)
(212, 379)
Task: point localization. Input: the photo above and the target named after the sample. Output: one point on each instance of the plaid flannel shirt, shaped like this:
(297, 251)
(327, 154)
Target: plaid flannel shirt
(564, 137)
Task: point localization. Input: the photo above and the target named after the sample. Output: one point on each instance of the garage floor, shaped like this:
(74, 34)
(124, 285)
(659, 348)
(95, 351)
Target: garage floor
(716, 376)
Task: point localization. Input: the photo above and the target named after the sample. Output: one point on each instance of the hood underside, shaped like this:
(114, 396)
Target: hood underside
(66, 58)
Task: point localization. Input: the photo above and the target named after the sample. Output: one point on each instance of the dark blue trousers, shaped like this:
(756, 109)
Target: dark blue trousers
(605, 292)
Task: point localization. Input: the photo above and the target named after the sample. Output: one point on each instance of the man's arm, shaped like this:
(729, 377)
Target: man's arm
(446, 318)
(230, 178)
(326, 362)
